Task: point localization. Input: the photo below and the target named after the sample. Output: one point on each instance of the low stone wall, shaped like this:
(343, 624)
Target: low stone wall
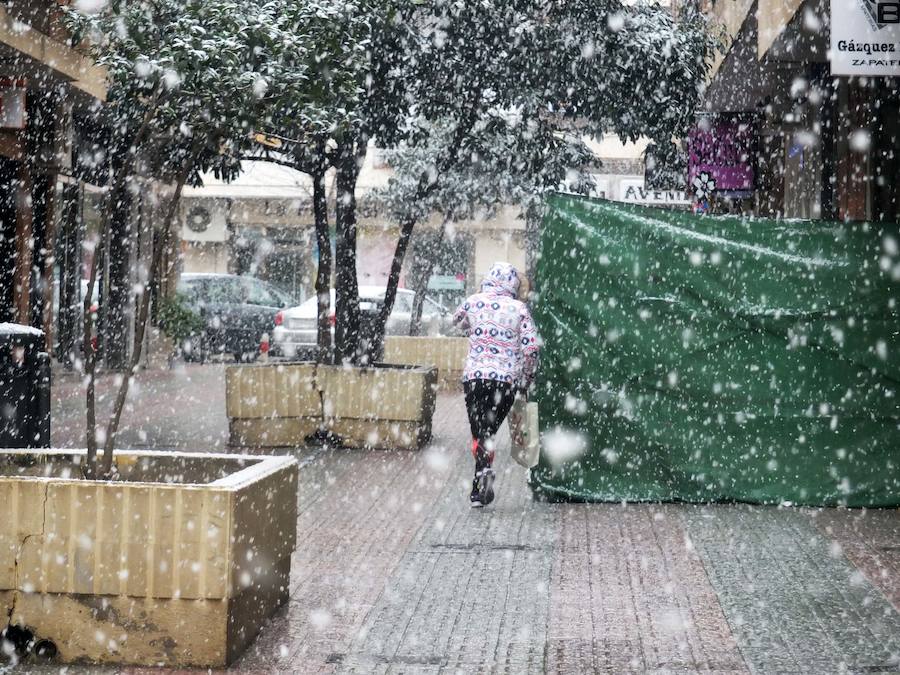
(272, 405)
(283, 404)
(174, 574)
(447, 354)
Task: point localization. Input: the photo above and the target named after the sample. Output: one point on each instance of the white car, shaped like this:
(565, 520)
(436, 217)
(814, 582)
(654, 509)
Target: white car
(295, 328)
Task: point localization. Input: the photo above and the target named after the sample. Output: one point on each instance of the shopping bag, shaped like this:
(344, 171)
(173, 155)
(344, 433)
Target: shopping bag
(523, 431)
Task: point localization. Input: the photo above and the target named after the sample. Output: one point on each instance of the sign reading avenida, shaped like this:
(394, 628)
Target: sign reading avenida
(865, 37)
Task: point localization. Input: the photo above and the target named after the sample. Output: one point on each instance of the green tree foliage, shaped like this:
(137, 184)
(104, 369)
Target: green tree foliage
(467, 91)
(188, 82)
(495, 93)
(505, 92)
(179, 321)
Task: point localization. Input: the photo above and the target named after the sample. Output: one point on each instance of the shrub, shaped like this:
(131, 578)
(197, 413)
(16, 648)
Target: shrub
(178, 320)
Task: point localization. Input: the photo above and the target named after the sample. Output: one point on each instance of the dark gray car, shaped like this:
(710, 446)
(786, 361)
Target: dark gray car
(236, 311)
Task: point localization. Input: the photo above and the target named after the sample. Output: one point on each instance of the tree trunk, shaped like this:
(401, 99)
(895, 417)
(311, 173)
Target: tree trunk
(24, 242)
(141, 322)
(425, 188)
(406, 228)
(115, 309)
(50, 234)
(346, 285)
(119, 178)
(415, 322)
(533, 218)
(90, 347)
(421, 287)
(90, 366)
(323, 272)
(69, 259)
(169, 269)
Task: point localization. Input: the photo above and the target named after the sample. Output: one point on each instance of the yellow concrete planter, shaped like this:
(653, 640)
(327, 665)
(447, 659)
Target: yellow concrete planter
(447, 354)
(282, 404)
(179, 563)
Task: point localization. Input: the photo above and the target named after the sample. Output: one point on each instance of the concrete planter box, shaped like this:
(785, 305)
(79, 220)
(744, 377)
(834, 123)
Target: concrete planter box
(282, 404)
(177, 563)
(447, 354)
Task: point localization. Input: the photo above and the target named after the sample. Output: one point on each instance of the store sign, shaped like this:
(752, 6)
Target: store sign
(722, 147)
(447, 282)
(269, 141)
(865, 37)
(633, 191)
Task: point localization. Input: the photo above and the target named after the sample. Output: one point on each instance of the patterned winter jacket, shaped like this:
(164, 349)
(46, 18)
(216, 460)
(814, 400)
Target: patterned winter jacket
(503, 342)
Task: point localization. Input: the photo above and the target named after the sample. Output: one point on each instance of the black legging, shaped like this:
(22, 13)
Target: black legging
(488, 403)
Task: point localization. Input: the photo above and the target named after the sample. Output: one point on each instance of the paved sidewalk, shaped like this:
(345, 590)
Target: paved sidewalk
(396, 574)
(181, 408)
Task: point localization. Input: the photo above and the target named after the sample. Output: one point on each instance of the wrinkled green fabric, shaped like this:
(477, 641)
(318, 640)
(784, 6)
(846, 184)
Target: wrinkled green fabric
(707, 358)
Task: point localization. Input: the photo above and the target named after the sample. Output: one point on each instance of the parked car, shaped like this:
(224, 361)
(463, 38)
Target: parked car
(295, 332)
(236, 311)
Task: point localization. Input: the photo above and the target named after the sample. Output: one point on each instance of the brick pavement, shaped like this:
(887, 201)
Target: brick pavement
(795, 602)
(179, 408)
(649, 604)
(396, 574)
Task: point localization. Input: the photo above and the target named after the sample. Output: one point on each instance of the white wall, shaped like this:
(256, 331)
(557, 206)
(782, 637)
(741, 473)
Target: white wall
(492, 246)
(209, 258)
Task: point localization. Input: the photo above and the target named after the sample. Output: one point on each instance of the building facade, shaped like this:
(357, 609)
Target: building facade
(262, 224)
(824, 124)
(46, 88)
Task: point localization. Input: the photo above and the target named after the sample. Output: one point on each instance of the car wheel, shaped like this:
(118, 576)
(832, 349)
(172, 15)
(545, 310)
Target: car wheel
(203, 348)
(192, 349)
(186, 351)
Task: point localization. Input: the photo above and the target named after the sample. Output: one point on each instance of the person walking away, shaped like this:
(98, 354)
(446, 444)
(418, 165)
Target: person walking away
(502, 360)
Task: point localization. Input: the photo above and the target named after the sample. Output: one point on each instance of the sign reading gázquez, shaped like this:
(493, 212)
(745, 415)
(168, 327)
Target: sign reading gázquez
(865, 37)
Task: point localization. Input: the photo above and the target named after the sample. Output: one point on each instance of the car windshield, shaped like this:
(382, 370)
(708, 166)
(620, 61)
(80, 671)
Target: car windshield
(224, 290)
(190, 288)
(260, 293)
(285, 299)
(432, 307)
(403, 303)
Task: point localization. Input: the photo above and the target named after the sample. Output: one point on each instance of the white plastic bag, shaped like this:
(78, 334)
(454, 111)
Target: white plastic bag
(524, 433)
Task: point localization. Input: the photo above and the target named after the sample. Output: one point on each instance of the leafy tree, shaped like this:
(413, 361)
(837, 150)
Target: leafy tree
(497, 174)
(359, 88)
(457, 81)
(187, 81)
(306, 122)
(385, 46)
(452, 78)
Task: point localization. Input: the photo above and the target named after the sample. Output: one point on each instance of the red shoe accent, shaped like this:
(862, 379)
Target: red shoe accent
(475, 448)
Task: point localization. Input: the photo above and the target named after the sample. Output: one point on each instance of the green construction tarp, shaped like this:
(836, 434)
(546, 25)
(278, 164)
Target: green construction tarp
(702, 358)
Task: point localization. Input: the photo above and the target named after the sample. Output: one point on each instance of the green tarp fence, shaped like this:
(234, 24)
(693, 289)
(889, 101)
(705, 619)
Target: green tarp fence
(703, 358)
